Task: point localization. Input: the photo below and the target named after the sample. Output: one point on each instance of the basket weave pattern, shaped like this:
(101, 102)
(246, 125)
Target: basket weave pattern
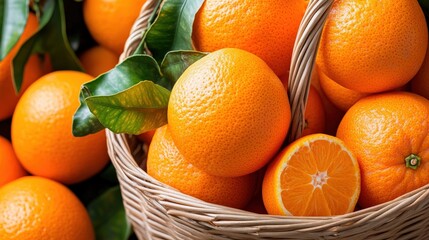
(157, 211)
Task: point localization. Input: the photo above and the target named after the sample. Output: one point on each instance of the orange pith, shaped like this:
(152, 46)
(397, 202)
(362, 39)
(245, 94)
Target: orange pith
(314, 176)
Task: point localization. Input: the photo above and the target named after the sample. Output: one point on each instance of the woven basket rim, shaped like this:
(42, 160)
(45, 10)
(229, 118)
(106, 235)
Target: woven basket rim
(122, 138)
(145, 198)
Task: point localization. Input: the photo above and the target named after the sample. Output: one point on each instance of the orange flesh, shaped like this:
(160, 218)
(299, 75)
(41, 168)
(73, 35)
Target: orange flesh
(319, 179)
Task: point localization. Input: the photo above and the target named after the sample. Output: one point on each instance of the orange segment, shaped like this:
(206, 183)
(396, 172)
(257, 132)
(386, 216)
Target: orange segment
(314, 176)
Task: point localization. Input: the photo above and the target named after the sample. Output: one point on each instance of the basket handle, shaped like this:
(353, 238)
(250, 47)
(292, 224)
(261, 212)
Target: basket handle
(303, 61)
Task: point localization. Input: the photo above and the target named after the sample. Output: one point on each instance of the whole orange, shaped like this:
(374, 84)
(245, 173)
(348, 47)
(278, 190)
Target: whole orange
(33, 70)
(38, 208)
(166, 164)
(109, 21)
(97, 60)
(373, 46)
(228, 113)
(42, 131)
(314, 115)
(389, 134)
(10, 166)
(265, 28)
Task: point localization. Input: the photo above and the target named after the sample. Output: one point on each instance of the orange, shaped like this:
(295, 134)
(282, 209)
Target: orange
(361, 50)
(343, 98)
(333, 115)
(41, 131)
(38, 208)
(109, 21)
(98, 60)
(166, 164)
(228, 113)
(314, 115)
(315, 175)
(389, 134)
(420, 82)
(32, 71)
(10, 167)
(265, 28)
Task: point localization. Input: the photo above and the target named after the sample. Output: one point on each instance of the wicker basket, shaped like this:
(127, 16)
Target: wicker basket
(157, 211)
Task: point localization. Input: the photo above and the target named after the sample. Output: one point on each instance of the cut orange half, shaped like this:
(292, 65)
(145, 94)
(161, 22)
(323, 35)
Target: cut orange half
(315, 175)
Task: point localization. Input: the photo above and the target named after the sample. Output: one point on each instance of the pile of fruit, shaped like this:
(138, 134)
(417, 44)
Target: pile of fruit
(206, 92)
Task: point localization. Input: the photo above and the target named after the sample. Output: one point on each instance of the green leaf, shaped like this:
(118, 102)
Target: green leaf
(126, 74)
(51, 38)
(176, 62)
(135, 110)
(172, 29)
(13, 18)
(108, 216)
(109, 174)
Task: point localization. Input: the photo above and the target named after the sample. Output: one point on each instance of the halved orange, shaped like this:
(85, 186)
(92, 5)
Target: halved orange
(316, 175)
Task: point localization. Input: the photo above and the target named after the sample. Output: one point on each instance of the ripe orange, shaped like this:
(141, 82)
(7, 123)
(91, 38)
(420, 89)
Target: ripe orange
(10, 166)
(362, 51)
(166, 164)
(333, 115)
(33, 70)
(314, 114)
(343, 98)
(389, 134)
(315, 175)
(109, 21)
(38, 208)
(42, 131)
(98, 60)
(228, 113)
(265, 28)
(420, 82)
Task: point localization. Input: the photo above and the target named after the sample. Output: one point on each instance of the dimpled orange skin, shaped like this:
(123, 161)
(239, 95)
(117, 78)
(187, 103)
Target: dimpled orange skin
(343, 98)
(10, 167)
(229, 113)
(166, 164)
(33, 70)
(109, 21)
(38, 208)
(382, 130)
(42, 131)
(265, 28)
(361, 50)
